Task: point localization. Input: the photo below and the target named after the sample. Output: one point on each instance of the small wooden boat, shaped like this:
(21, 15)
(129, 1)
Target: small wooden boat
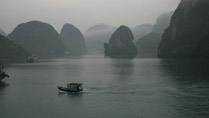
(71, 87)
(32, 58)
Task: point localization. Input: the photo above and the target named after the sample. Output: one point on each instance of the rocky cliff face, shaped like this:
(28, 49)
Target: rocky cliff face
(188, 5)
(187, 35)
(10, 50)
(38, 38)
(120, 43)
(73, 40)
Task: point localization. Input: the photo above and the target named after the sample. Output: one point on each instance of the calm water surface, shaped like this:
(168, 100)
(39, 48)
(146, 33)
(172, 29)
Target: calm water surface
(113, 88)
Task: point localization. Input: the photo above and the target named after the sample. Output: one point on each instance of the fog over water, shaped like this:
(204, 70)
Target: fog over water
(83, 13)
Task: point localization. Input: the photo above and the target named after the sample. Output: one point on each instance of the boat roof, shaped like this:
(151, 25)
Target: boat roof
(75, 84)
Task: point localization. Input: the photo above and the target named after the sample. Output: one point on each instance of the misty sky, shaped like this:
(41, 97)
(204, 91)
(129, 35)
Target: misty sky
(82, 13)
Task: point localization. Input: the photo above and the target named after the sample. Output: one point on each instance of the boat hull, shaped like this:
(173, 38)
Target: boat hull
(69, 90)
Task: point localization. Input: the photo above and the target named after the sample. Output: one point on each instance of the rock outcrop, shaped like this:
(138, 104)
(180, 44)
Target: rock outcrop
(11, 51)
(73, 40)
(38, 38)
(187, 35)
(120, 43)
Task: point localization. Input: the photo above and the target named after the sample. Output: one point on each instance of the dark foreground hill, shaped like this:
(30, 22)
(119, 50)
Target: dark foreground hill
(11, 51)
(38, 38)
(188, 33)
(2, 32)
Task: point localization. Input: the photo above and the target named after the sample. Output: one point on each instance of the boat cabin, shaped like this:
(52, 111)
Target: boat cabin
(74, 86)
(33, 58)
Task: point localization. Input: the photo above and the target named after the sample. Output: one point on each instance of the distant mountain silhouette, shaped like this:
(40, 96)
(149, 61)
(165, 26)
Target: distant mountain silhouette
(142, 30)
(97, 35)
(148, 45)
(73, 40)
(99, 27)
(162, 23)
(38, 38)
(120, 43)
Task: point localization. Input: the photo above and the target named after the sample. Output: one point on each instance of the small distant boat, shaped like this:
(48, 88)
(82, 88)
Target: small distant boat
(2, 73)
(71, 87)
(33, 58)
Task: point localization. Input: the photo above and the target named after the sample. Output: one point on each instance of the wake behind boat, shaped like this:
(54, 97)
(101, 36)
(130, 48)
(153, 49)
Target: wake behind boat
(71, 87)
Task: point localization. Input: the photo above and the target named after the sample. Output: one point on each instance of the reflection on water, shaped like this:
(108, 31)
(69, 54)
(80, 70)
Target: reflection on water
(3, 85)
(71, 95)
(191, 79)
(187, 68)
(121, 57)
(9, 61)
(123, 68)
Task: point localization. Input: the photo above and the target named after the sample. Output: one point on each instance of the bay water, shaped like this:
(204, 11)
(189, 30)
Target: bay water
(113, 88)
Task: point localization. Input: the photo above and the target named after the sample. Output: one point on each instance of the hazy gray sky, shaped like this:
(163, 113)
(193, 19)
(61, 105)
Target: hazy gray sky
(82, 13)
